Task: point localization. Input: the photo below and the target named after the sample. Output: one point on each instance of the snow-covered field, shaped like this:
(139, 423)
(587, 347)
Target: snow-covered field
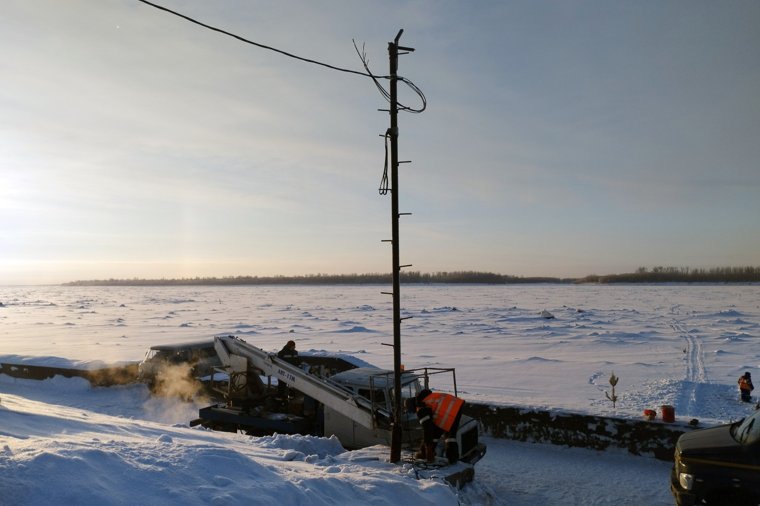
(678, 345)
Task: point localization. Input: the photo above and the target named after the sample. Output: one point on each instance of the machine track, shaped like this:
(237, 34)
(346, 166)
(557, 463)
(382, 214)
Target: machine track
(695, 381)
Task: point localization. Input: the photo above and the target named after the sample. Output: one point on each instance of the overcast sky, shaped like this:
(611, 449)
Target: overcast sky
(561, 138)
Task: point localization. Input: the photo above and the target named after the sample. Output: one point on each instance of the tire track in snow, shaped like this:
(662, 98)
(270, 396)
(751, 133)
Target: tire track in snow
(694, 386)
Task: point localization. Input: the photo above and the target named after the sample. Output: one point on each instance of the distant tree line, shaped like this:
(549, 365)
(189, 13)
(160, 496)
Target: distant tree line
(327, 279)
(680, 275)
(642, 275)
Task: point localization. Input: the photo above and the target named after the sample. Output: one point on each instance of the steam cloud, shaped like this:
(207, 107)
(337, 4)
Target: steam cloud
(176, 380)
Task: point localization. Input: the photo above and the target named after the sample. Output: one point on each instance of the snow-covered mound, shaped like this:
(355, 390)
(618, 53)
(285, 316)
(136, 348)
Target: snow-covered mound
(53, 453)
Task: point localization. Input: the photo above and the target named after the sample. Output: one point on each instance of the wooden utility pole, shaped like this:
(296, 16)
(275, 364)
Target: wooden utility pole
(393, 52)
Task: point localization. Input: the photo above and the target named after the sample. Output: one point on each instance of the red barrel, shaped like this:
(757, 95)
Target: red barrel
(668, 413)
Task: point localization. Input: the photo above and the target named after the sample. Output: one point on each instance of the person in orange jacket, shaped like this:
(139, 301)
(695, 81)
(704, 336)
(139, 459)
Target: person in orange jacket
(439, 415)
(746, 387)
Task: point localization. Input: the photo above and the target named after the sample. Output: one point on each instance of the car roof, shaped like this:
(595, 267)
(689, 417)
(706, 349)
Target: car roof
(360, 376)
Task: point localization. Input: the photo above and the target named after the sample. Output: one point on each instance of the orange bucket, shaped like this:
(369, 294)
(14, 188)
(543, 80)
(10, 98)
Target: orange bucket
(668, 414)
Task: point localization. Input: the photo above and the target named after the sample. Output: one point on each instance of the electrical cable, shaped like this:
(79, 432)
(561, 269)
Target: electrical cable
(384, 185)
(247, 41)
(363, 57)
(401, 107)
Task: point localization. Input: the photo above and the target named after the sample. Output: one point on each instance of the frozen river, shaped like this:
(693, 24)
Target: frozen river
(683, 345)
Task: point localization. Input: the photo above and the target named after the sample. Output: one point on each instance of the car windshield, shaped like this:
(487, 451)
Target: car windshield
(747, 431)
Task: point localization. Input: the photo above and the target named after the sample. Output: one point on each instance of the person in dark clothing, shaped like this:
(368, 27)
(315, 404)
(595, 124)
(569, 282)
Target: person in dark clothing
(746, 387)
(289, 354)
(439, 415)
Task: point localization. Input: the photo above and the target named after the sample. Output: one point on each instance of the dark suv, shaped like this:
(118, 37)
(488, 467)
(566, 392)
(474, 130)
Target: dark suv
(719, 465)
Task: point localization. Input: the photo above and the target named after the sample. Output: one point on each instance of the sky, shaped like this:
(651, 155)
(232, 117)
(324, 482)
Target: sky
(560, 138)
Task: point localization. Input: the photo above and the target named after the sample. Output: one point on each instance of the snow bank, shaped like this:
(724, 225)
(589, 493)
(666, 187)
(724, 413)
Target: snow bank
(56, 454)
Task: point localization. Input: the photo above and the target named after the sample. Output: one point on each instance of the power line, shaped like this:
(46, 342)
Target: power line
(247, 41)
(362, 56)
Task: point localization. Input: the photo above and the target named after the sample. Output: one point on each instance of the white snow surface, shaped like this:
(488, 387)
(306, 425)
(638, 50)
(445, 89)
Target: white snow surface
(65, 442)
